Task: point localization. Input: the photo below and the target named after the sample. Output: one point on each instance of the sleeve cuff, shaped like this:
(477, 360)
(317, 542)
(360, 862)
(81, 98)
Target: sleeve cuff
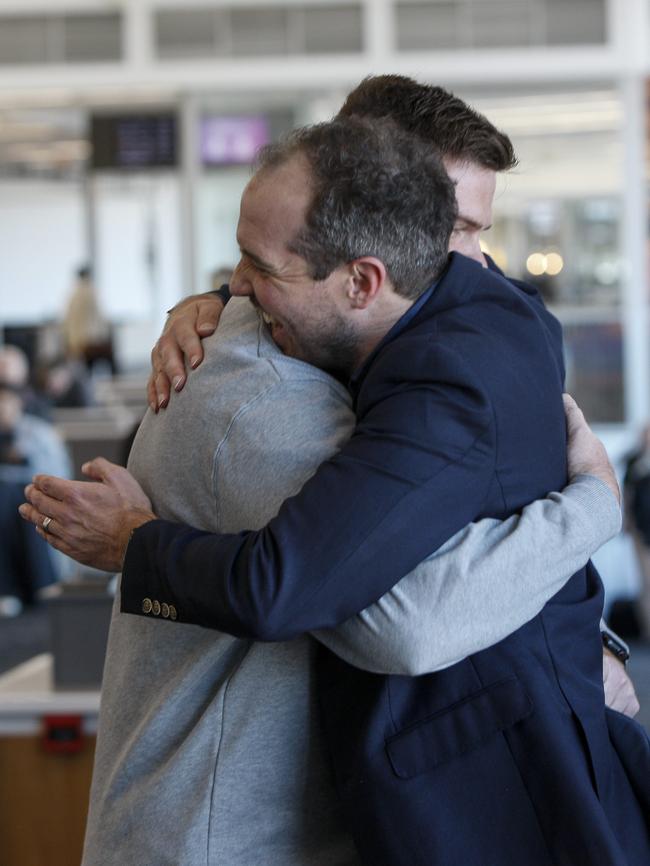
(597, 498)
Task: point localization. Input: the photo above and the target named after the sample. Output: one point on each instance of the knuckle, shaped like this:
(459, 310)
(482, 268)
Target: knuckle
(162, 382)
(72, 499)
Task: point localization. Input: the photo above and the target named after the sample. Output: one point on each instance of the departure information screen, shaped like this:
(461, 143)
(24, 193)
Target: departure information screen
(134, 141)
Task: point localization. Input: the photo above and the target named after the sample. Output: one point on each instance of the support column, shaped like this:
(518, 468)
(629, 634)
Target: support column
(634, 247)
(189, 117)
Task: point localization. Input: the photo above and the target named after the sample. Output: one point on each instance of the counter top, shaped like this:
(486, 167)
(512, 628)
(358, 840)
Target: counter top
(27, 693)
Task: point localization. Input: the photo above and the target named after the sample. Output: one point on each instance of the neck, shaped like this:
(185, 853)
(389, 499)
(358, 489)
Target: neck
(379, 324)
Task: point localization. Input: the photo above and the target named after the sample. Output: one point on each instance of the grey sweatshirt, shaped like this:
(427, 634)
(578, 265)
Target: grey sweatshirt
(209, 750)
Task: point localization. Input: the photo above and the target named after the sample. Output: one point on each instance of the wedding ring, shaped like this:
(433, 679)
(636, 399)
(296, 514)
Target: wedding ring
(46, 524)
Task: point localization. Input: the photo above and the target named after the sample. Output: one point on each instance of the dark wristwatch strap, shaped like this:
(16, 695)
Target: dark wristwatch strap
(614, 644)
(223, 292)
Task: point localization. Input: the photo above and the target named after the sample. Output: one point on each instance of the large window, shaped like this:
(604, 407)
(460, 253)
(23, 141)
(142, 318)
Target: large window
(558, 225)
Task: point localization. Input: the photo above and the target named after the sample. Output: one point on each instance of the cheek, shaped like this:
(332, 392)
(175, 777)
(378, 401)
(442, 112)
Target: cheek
(468, 245)
(264, 294)
(455, 245)
(460, 242)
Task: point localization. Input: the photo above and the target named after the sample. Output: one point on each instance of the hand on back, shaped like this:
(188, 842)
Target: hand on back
(179, 346)
(586, 454)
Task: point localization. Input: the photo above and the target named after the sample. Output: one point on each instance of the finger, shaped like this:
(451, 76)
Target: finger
(171, 348)
(152, 397)
(187, 341)
(624, 701)
(99, 469)
(30, 514)
(632, 707)
(51, 486)
(163, 389)
(55, 542)
(209, 313)
(33, 515)
(36, 512)
(573, 413)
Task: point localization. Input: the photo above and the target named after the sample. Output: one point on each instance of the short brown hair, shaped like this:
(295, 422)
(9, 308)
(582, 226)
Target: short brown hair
(378, 191)
(453, 128)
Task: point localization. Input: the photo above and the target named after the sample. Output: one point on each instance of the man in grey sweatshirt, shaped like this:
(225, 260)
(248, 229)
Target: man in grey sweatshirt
(209, 749)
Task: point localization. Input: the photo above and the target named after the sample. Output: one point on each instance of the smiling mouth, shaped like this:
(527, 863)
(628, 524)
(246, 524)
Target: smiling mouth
(268, 320)
(272, 324)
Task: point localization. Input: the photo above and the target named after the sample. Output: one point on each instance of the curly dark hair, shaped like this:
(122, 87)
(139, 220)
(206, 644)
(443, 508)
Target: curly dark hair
(378, 191)
(435, 114)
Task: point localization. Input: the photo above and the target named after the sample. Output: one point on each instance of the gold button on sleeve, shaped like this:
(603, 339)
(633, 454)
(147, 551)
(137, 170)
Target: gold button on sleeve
(146, 605)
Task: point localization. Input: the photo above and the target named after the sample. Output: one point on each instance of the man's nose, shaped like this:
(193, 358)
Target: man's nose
(240, 284)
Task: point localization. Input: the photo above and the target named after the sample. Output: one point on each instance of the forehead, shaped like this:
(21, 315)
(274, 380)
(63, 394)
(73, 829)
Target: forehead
(274, 205)
(475, 187)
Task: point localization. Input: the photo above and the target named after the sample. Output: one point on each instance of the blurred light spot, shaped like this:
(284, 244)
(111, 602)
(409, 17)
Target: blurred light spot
(554, 264)
(607, 273)
(536, 264)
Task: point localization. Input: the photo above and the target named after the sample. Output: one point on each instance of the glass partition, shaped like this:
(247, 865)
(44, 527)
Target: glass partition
(557, 225)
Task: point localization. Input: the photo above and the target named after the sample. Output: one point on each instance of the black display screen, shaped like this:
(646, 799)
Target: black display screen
(134, 141)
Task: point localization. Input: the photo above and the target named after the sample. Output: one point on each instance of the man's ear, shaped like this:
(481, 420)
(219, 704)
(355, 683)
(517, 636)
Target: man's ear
(367, 276)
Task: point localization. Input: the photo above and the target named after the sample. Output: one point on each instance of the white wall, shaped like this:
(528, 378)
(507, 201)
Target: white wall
(138, 241)
(217, 210)
(138, 266)
(42, 242)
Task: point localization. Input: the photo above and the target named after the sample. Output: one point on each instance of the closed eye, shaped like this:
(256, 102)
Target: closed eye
(262, 267)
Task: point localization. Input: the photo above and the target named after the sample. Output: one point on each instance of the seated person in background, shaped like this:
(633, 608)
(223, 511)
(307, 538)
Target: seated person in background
(636, 489)
(14, 370)
(66, 383)
(36, 439)
(31, 445)
(26, 562)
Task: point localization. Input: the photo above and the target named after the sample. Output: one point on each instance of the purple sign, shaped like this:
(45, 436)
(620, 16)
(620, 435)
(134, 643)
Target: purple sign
(232, 140)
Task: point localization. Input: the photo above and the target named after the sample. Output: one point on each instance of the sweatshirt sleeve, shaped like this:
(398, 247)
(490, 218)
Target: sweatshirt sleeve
(479, 587)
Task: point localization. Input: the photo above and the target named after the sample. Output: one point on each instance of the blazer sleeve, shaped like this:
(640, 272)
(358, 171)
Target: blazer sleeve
(483, 584)
(416, 469)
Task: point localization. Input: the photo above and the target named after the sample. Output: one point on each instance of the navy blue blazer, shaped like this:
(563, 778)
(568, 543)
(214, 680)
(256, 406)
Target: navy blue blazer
(507, 757)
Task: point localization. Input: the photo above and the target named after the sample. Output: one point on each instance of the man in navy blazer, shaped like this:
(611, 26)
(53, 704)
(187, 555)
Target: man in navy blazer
(473, 152)
(457, 379)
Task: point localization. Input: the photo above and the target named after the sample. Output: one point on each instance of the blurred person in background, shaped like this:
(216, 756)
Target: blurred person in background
(34, 437)
(28, 444)
(636, 491)
(15, 371)
(65, 383)
(86, 332)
